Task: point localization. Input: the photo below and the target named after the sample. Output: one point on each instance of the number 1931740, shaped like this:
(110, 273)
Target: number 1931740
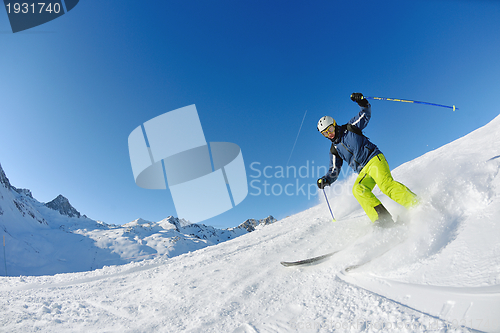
(33, 8)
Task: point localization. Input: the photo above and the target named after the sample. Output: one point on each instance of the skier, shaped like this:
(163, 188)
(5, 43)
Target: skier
(349, 144)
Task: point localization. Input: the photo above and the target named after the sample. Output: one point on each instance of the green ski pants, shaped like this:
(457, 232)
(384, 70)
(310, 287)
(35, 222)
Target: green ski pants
(377, 172)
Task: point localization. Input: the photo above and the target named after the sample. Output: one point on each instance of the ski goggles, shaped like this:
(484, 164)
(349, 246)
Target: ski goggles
(328, 130)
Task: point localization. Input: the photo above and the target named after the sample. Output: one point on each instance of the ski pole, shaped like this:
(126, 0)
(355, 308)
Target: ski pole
(410, 101)
(328, 205)
(4, 257)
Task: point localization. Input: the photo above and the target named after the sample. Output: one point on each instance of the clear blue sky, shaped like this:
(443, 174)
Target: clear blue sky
(74, 88)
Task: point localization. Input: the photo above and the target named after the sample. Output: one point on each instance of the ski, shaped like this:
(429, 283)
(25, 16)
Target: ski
(308, 261)
(353, 267)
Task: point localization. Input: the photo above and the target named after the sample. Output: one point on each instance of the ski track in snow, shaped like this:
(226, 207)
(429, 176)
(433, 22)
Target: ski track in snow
(444, 260)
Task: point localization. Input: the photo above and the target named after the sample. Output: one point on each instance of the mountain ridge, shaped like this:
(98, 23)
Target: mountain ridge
(54, 237)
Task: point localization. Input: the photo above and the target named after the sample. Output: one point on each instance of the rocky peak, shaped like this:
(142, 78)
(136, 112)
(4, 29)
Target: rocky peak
(62, 205)
(174, 221)
(251, 224)
(4, 181)
(23, 191)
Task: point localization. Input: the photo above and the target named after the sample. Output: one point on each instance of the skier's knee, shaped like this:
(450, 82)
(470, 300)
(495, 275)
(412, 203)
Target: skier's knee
(359, 190)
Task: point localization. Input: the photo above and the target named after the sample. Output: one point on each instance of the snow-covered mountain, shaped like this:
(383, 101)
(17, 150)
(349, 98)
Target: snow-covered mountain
(62, 205)
(51, 238)
(438, 272)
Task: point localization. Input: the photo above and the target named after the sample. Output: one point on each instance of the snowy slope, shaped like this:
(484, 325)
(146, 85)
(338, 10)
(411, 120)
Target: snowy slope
(430, 274)
(449, 264)
(52, 238)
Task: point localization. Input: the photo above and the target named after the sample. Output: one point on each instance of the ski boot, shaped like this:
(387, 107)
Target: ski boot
(384, 217)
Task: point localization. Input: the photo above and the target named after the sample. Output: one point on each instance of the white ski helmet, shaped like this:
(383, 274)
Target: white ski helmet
(324, 122)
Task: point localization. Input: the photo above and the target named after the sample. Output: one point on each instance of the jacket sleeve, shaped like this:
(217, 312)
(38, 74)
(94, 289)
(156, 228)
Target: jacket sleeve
(363, 117)
(335, 166)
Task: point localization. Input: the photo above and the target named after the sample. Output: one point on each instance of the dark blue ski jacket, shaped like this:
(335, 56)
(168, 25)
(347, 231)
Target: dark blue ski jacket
(353, 148)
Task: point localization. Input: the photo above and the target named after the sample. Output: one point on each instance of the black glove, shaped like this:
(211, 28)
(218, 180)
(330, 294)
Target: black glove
(322, 182)
(358, 98)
